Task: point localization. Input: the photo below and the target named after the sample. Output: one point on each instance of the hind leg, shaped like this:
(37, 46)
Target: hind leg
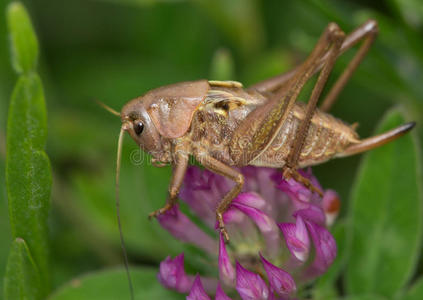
(290, 168)
(367, 32)
(256, 132)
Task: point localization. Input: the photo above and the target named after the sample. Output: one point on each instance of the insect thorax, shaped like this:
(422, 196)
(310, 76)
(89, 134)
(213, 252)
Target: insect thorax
(214, 123)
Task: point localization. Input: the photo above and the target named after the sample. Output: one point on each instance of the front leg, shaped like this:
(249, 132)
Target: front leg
(179, 170)
(218, 167)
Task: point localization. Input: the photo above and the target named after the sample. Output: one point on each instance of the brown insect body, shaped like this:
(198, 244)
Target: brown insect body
(224, 125)
(215, 119)
(224, 108)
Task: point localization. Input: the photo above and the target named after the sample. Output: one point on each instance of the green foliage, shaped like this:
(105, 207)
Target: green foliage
(143, 191)
(415, 292)
(222, 66)
(113, 284)
(385, 224)
(410, 11)
(28, 175)
(22, 281)
(24, 43)
(364, 297)
(239, 20)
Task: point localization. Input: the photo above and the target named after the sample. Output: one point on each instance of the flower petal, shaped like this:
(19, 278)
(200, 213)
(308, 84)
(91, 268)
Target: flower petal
(331, 206)
(263, 221)
(307, 173)
(297, 239)
(312, 213)
(249, 285)
(266, 224)
(220, 294)
(226, 270)
(325, 248)
(260, 180)
(280, 281)
(251, 199)
(197, 291)
(185, 230)
(295, 190)
(232, 216)
(197, 193)
(202, 190)
(172, 274)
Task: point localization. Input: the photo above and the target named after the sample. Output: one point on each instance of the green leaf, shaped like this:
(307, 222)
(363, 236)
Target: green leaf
(22, 279)
(113, 284)
(385, 216)
(415, 292)
(24, 44)
(4, 222)
(28, 175)
(363, 297)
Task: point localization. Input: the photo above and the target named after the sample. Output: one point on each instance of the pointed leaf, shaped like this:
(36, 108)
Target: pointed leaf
(24, 44)
(22, 280)
(28, 175)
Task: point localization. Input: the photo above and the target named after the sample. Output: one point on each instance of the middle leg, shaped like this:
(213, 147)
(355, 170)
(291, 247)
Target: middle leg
(220, 168)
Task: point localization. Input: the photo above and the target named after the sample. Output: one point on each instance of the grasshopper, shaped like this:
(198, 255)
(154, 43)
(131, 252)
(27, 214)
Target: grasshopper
(225, 126)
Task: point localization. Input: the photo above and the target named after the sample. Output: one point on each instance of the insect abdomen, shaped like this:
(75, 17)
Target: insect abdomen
(326, 137)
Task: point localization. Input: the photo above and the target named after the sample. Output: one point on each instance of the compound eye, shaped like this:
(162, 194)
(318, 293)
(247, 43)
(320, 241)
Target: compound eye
(138, 127)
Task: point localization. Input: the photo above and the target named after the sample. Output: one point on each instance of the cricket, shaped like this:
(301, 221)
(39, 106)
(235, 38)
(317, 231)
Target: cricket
(224, 125)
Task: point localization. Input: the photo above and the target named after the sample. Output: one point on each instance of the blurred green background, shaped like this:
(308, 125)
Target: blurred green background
(117, 50)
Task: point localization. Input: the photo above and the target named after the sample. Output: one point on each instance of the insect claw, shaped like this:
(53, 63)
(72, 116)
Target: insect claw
(287, 173)
(225, 234)
(160, 211)
(291, 173)
(222, 228)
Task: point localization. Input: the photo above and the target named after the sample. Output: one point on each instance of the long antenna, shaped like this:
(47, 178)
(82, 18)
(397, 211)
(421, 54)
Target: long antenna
(108, 108)
(122, 242)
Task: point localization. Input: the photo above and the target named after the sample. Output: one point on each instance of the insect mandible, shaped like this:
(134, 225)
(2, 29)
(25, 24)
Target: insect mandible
(225, 126)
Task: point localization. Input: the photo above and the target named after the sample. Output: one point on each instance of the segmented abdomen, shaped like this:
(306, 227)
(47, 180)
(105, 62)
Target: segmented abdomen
(326, 137)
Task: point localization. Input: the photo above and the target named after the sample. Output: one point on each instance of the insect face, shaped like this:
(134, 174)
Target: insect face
(137, 122)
